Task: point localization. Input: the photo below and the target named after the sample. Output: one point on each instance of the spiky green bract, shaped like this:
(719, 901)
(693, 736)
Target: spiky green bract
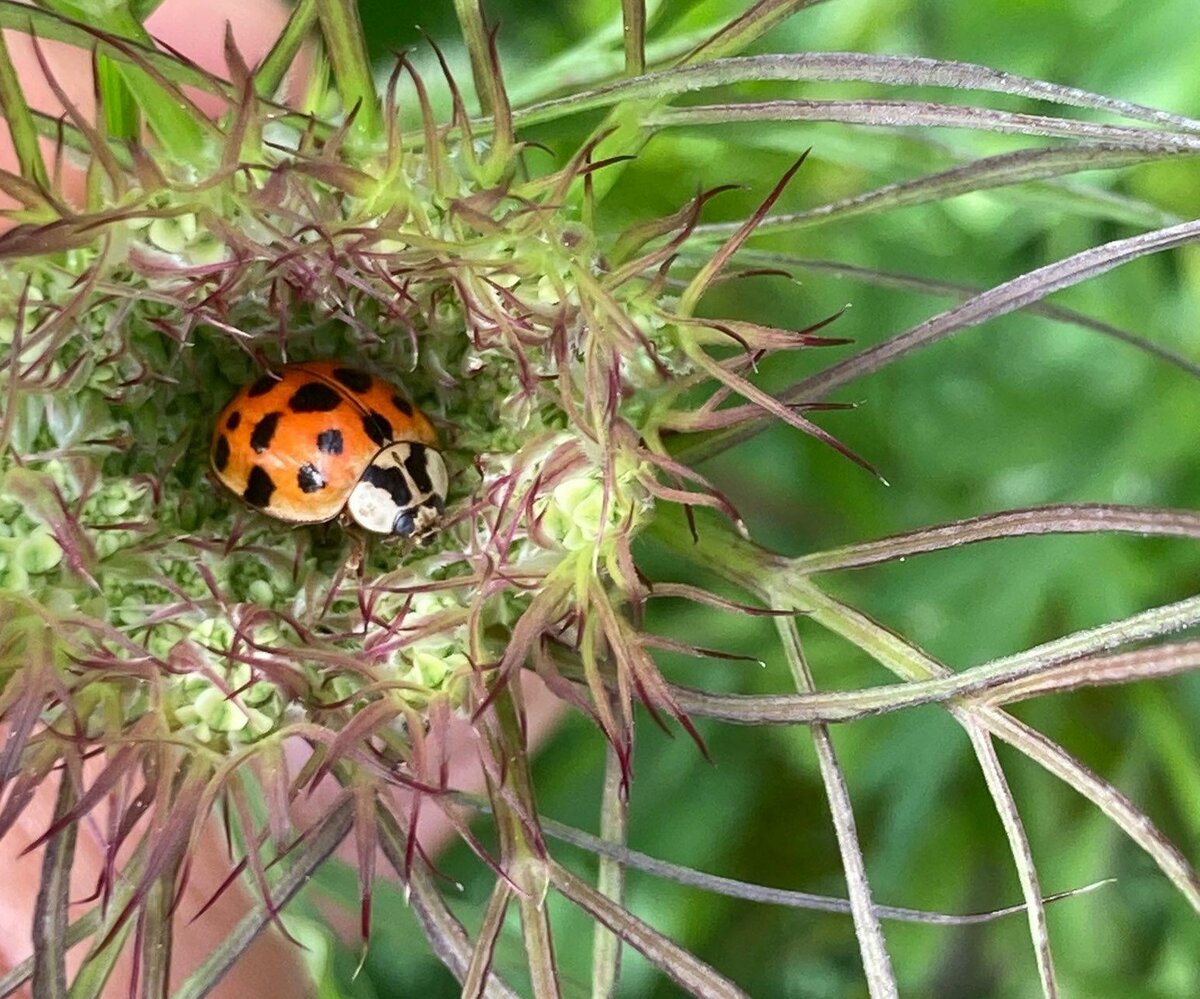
(148, 614)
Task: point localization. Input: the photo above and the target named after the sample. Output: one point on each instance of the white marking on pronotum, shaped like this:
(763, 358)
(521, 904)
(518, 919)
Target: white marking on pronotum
(388, 500)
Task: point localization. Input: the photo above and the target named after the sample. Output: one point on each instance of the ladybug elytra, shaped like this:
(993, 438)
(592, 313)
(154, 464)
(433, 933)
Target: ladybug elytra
(317, 438)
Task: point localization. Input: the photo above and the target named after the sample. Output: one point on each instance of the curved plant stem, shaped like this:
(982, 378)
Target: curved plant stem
(907, 661)
(321, 841)
(54, 895)
(523, 853)
(1014, 680)
(344, 40)
(1065, 518)
(21, 129)
(856, 67)
(761, 893)
(917, 114)
(475, 34)
(877, 964)
(1000, 300)
(623, 131)
(282, 57)
(475, 980)
(610, 880)
(1018, 844)
(1021, 167)
(745, 564)
(950, 289)
(445, 934)
(686, 970)
(633, 13)
(156, 932)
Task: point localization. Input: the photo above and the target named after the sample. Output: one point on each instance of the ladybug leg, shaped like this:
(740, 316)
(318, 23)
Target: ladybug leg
(357, 557)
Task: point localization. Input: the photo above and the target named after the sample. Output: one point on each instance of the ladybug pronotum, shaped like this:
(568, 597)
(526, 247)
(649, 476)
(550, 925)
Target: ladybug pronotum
(316, 439)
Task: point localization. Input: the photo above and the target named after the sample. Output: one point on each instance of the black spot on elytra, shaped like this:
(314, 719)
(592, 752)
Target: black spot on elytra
(262, 386)
(221, 453)
(234, 421)
(259, 487)
(314, 397)
(353, 379)
(330, 441)
(378, 428)
(264, 430)
(415, 465)
(309, 479)
(402, 404)
(392, 481)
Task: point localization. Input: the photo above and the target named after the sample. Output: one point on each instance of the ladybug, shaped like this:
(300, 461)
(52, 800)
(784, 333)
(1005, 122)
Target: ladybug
(314, 439)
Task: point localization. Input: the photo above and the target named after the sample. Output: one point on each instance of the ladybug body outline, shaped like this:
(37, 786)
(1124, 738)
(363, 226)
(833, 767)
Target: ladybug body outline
(299, 442)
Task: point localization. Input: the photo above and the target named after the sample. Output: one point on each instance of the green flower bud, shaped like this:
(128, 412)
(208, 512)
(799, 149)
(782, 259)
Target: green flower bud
(38, 553)
(14, 579)
(574, 513)
(260, 592)
(432, 668)
(213, 633)
(172, 234)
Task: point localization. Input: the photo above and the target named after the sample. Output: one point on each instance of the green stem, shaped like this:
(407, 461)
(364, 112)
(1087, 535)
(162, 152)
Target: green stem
(54, 895)
(877, 964)
(623, 129)
(20, 122)
(347, 47)
(474, 31)
(156, 935)
(474, 982)
(524, 853)
(320, 842)
(283, 54)
(444, 933)
(634, 16)
(775, 580)
(610, 879)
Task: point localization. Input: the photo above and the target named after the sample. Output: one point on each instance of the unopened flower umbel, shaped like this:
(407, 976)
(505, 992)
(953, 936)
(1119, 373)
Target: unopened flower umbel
(553, 361)
(259, 321)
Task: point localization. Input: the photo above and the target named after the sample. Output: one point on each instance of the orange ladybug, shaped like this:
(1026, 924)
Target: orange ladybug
(317, 438)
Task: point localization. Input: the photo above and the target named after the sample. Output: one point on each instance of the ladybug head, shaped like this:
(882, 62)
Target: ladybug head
(402, 491)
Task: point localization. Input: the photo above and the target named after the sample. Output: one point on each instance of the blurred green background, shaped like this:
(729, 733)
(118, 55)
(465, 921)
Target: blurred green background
(1018, 412)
